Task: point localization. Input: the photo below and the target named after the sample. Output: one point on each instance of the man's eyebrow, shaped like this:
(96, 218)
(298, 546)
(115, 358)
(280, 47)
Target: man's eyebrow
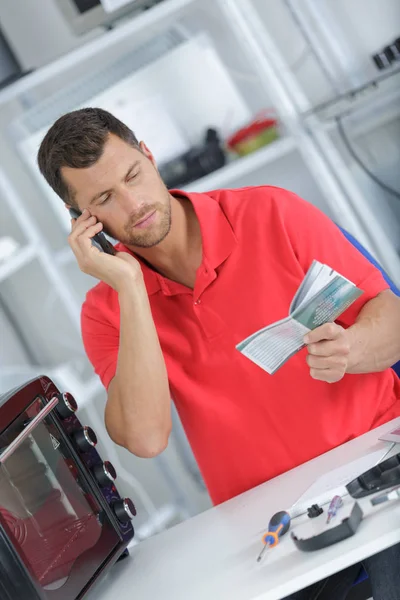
(100, 194)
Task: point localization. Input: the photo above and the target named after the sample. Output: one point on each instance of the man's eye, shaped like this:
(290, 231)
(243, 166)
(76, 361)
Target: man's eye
(133, 176)
(105, 199)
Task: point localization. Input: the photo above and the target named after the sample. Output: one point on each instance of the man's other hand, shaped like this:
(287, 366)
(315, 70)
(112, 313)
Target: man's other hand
(328, 352)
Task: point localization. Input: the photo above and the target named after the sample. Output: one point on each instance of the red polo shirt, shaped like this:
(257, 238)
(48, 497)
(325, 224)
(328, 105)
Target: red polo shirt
(244, 425)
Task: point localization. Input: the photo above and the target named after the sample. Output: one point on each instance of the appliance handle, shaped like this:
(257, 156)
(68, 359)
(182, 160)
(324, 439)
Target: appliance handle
(28, 429)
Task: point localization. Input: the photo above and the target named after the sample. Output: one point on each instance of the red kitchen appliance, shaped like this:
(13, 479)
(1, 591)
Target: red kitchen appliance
(62, 520)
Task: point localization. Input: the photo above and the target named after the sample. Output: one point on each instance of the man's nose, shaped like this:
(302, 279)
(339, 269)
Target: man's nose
(129, 200)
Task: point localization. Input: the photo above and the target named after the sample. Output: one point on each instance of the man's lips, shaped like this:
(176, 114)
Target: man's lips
(144, 220)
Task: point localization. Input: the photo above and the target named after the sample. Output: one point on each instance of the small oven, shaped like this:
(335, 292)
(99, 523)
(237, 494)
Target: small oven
(62, 520)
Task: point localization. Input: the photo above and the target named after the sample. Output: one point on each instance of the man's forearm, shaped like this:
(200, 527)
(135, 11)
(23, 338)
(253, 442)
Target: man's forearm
(375, 336)
(138, 412)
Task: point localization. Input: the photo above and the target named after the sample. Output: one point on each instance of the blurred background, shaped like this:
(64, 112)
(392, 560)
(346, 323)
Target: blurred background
(302, 94)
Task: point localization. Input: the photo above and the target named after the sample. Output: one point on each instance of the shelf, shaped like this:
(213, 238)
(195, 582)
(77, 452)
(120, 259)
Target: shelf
(362, 122)
(367, 95)
(243, 166)
(16, 261)
(163, 14)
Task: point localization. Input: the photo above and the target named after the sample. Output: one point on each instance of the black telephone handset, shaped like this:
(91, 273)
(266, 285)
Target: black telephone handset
(99, 240)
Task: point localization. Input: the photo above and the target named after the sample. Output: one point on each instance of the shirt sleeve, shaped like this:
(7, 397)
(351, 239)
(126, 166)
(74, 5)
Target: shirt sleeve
(101, 340)
(313, 235)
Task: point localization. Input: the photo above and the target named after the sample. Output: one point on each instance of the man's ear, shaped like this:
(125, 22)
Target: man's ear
(67, 206)
(145, 150)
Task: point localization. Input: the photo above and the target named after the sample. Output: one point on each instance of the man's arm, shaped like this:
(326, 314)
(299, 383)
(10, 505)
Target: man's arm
(375, 336)
(138, 410)
(372, 344)
(138, 407)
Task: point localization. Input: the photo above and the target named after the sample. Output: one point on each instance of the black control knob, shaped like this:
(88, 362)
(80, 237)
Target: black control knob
(66, 406)
(104, 473)
(124, 510)
(85, 438)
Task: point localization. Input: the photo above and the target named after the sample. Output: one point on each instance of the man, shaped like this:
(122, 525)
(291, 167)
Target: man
(194, 275)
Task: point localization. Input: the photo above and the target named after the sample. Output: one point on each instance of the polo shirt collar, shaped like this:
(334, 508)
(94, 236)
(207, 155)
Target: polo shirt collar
(218, 242)
(218, 238)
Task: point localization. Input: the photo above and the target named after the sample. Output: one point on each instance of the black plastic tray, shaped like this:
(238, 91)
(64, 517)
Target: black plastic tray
(384, 475)
(344, 530)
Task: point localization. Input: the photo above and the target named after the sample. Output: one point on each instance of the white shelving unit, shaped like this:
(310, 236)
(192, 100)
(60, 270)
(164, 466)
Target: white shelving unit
(337, 182)
(133, 32)
(305, 159)
(335, 82)
(17, 260)
(241, 167)
(36, 249)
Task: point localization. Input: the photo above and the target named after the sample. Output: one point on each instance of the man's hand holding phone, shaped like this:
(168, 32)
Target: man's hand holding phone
(116, 270)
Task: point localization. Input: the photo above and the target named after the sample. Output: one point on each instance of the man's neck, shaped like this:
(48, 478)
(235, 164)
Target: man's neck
(179, 255)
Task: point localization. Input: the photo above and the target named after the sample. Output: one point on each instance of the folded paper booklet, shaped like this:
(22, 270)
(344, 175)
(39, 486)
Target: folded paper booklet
(322, 296)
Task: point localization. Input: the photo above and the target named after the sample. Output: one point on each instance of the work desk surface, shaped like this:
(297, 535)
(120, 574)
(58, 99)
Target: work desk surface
(213, 555)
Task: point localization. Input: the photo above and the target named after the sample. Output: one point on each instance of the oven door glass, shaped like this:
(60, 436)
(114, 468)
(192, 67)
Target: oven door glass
(54, 519)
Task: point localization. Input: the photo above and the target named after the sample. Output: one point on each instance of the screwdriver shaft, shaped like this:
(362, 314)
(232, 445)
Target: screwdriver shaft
(262, 553)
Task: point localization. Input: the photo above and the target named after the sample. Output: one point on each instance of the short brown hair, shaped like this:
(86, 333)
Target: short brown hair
(77, 140)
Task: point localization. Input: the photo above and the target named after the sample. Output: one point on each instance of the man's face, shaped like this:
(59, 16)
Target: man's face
(124, 191)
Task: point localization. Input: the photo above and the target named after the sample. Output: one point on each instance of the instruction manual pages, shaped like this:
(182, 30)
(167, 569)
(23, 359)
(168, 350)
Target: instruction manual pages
(322, 296)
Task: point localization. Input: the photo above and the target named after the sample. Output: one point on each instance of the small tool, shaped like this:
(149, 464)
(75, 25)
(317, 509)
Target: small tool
(334, 506)
(391, 495)
(314, 511)
(277, 527)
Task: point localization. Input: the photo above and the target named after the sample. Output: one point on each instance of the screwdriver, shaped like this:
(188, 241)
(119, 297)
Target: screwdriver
(334, 506)
(277, 527)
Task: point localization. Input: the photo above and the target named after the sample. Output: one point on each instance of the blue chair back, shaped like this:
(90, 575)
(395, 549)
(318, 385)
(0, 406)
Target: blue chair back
(362, 575)
(367, 255)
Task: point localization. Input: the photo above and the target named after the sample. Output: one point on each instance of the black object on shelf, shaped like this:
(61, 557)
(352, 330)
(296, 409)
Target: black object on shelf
(196, 163)
(10, 69)
(344, 530)
(388, 55)
(381, 477)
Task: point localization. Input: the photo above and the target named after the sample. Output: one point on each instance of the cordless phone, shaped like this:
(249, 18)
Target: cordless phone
(99, 240)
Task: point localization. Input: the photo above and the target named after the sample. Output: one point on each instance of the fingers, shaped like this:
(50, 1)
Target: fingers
(327, 331)
(83, 229)
(329, 368)
(83, 240)
(81, 223)
(328, 352)
(327, 375)
(328, 362)
(339, 347)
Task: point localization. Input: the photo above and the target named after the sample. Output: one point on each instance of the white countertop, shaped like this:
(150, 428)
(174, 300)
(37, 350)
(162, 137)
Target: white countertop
(213, 555)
